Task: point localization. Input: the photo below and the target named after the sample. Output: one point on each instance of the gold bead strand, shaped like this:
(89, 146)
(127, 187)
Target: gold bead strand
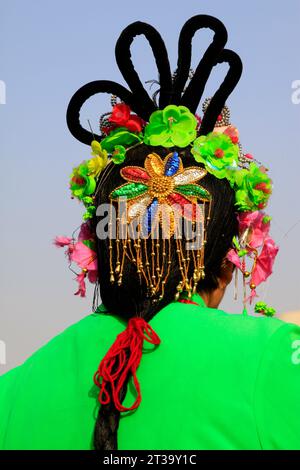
(147, 264)
(153, 265)
(112, 276)
(118, 264)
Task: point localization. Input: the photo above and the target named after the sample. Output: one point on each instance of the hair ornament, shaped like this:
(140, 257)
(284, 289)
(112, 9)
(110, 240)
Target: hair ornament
(164, 189)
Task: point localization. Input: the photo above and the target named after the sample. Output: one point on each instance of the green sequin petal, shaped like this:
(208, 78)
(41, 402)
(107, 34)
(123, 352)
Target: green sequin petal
(193, 190)
(129, 191)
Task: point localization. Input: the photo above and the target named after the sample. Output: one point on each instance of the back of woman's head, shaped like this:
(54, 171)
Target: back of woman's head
(130, 298)
(138, 277)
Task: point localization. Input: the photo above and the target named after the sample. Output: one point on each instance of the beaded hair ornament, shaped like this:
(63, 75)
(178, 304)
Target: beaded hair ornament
(158, 196)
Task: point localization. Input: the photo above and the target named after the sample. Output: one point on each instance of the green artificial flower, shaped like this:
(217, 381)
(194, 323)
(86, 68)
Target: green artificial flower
(90, 212)
(87, 200)
(266, 219)
(82, 184)
(119, 154)
(120, 136)
(264, 309)
(218, 153)
(253, 188)
(173, 126)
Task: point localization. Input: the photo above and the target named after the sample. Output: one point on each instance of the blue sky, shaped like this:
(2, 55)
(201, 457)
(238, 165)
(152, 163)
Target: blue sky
(48, 50)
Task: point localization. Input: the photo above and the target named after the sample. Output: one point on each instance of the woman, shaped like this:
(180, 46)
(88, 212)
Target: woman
(183, 373)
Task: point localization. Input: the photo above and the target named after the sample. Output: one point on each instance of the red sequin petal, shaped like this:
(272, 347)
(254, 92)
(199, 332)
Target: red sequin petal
(188, 209)
(135, 174)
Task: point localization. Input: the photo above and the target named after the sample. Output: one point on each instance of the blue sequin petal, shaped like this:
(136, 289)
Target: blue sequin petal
(150, 216)
(172, 164)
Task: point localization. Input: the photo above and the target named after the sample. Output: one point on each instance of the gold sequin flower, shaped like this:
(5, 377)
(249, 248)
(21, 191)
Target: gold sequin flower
(162, 185)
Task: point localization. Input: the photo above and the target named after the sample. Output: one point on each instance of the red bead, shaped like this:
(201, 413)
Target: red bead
(219, 153)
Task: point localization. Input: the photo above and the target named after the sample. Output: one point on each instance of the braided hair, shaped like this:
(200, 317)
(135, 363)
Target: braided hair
(126, 300)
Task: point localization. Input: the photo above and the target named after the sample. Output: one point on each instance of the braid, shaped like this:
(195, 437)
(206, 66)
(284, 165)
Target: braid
(128, 301)
(108, 419)
(107, 424)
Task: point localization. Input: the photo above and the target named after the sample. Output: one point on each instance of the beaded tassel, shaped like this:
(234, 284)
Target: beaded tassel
(160, 199)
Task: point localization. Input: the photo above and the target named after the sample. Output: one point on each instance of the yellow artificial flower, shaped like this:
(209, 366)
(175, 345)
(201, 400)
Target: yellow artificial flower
(99, 160)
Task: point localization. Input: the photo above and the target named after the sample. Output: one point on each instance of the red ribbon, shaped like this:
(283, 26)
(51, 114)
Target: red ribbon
(115, 366)
(187, 301)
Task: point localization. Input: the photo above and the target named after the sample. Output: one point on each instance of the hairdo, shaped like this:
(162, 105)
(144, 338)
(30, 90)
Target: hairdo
(174, 90)
(171, 91)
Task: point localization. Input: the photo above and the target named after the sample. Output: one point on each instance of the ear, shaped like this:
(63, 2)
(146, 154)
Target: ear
(226, 273)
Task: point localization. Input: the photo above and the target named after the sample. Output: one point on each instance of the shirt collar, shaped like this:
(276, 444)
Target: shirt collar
(195, 298)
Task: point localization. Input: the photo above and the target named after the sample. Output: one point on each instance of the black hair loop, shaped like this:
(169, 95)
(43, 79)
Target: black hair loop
(171, 91)
(218, 101)
(193, 93)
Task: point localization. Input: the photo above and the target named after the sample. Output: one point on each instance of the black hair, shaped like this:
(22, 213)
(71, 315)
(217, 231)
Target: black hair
(127, 300)
(171, 91)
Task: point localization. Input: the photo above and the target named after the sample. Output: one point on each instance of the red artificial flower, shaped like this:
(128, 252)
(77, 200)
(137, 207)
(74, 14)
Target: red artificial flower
(121, 116)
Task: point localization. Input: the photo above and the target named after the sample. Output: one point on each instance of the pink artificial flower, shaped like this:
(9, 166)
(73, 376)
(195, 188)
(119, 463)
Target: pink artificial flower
(60, 242)
(234, 258)
(84, 257)
(80, 278)
(93, 276)
(233, 133)
(252, 296)
(264, 262)
(85, 232)
(258, 226)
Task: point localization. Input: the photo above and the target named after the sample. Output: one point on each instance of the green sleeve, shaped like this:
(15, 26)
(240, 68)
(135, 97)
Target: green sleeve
(277, 396)
(9, 384)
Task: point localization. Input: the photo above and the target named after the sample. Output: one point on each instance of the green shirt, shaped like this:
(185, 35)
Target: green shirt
(216, 381)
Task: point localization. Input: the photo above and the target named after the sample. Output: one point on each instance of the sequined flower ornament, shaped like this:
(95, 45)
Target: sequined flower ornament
(218, 153)
(253, 188)
(161, 185)
(172, 126)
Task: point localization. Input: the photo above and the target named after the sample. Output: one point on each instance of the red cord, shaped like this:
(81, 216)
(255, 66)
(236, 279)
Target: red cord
(187, 301)
(115, 366)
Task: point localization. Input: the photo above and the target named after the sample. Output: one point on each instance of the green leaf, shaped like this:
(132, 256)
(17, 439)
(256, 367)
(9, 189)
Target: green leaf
(90, 244)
